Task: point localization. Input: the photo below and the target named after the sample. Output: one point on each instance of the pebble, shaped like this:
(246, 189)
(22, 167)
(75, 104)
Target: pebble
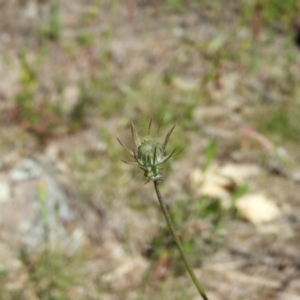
(5, 192)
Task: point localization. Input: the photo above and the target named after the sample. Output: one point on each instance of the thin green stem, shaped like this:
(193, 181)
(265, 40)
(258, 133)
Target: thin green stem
(178, 243)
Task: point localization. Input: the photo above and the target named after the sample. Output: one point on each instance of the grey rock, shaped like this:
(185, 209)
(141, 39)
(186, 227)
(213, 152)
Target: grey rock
(26, 169)
(42, 210)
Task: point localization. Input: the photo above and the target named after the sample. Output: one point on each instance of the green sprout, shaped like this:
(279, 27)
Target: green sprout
(149, 155)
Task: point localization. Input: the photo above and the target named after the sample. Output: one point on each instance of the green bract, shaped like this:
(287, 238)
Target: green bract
(150, 154)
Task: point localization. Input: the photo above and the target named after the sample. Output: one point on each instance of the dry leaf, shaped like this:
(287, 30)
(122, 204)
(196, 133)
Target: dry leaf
(219, 181)
(239, 173)
(184, 84)
(257, 208)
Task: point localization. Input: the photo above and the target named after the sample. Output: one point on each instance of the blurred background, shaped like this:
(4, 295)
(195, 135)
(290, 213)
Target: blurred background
(78, 223)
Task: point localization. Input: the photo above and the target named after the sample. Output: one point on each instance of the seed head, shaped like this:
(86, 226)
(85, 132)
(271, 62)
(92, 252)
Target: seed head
(150, 154)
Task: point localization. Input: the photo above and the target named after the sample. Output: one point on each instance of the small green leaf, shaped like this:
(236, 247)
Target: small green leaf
(210, 153)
